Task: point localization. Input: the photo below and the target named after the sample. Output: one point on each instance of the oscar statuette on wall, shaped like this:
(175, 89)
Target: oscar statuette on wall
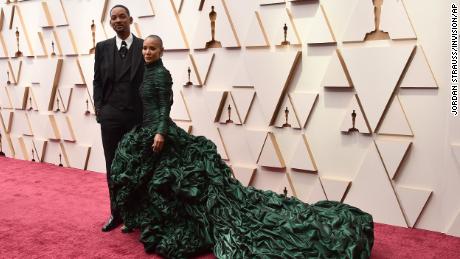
(189, 82)
(8, 82)
(93, 35)
(353, 121)
(30, 103)
(53, 53)
(57, 103)
(229, 110)
(213, 43)
(18, 52)
(286, 115)
(377, 34)
(285, 41)
(87, 112)
(60, 160)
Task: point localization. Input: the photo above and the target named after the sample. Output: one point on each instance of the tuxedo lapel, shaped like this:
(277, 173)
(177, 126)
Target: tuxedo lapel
(110, 57)
(136, 56)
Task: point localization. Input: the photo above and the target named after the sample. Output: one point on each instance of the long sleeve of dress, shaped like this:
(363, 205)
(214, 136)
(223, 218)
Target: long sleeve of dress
(164, 86)
(157, 97)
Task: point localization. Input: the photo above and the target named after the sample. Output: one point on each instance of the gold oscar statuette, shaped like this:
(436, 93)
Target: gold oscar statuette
(213, 43)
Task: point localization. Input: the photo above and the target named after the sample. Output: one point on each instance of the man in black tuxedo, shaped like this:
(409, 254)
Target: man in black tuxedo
(118, 73)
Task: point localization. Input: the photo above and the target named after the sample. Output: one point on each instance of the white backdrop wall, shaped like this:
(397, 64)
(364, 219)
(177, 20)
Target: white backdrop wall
(403, 166)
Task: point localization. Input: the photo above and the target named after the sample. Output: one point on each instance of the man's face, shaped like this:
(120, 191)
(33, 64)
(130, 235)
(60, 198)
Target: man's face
(120, 20)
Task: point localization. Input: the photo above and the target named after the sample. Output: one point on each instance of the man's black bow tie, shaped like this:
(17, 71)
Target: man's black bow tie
(123, 49)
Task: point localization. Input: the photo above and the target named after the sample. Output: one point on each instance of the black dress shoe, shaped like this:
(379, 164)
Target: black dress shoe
(126, 229)
(112, 224)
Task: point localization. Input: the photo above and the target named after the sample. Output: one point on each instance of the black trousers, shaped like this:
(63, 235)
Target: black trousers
(114, 124)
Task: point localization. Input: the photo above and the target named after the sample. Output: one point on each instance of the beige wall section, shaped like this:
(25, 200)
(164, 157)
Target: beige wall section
(403, 166)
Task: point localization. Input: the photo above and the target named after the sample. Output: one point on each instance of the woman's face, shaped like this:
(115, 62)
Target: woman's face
(152, 50)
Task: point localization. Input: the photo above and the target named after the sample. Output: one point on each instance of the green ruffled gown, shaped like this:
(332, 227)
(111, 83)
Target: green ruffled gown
(185, 201)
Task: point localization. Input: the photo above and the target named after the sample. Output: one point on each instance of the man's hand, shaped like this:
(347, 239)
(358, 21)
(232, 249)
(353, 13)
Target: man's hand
(158, 143)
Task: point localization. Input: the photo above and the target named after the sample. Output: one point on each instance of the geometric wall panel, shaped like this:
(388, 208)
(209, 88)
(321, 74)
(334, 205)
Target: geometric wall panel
(179, 109)
(371, 186)
(395, 122)
(236, 146)
(266, 179)
(336, 73)
(256, 35)
(360, 122)
(202, 117)
(20, 124)
(419, 73)
(6, 117)
(302, 158)
(285, 186)
(202, 63)
(361, 21)
(335, 188)
(255, 140)
(77, 155)
(187, 126)
(454, 228)
(65, 128)
(456, 151)
(286, 115)
(271, 81)
(224, 30)
(84, 23)
(375, 72)
(172, 35)
(321, 31)
(56, 12)
(243, 98)
(17, 26)
(44, 84)
(66, 41)
(5, 99)
(244, 174)
(229, 113)
(215, 101)
(413, 201)
(241, 78)
(268, 2)
(40, 148)
(392, 153)
(15, 70)
(274, 27)
(316, 193)
(304, 184)
(18, 145)
(271, 155)
(302, 103)
(394, 20)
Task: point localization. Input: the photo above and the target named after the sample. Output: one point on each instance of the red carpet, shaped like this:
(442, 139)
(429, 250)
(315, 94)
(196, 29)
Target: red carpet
(52, 212)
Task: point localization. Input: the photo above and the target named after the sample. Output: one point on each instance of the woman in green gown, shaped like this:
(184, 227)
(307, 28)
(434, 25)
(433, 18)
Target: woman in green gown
(184, 200)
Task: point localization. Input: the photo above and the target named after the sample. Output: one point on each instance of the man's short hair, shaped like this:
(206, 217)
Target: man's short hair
(121, 6)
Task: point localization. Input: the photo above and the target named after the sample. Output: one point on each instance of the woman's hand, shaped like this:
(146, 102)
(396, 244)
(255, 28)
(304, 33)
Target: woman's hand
(158, 143)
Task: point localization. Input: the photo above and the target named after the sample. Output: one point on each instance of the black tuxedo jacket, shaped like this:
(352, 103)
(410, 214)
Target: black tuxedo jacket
(104, 71)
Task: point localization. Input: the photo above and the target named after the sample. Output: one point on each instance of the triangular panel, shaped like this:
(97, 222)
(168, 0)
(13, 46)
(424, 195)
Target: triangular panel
(271, 155)
(395, 121)
(413, 201)
(392, 153)
(371, 186)
(375, 72)
(419, 73)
